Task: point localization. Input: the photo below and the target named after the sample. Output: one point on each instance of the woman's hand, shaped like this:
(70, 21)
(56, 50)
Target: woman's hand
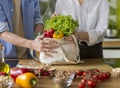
(46, 46)
(68, 38)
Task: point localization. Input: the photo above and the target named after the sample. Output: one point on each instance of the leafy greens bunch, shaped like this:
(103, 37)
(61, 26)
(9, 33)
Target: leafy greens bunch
(66, 24)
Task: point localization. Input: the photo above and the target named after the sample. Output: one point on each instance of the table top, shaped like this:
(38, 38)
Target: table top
(46, 82)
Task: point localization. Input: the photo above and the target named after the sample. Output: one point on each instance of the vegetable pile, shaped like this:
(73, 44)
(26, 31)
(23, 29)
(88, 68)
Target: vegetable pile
(91, 77)
(62, 23)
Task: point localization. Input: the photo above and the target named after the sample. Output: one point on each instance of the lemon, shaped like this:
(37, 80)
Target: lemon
(4, 67)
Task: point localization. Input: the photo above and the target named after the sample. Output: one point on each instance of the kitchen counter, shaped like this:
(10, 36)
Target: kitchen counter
(46, 82)
(111, 43)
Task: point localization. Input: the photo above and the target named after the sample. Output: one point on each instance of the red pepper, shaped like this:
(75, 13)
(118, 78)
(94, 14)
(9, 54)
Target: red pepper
(14, 72)
(3, 73)
(49, 33)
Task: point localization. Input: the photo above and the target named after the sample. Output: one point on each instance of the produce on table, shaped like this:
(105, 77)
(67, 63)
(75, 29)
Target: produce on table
(91, 77)
(3, 73)
(63, 79)
(65, 24)
(14, 72)
(116, 72)
(26, 80)
(4, 67)
(43, 72)
(5, 81)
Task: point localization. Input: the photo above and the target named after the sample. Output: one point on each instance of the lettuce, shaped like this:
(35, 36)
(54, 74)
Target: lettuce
(61, 22)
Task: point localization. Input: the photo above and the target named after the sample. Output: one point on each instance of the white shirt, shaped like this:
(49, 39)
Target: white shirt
(92, 15)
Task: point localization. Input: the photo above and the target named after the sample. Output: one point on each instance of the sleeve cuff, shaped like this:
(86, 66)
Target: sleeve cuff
(92, 38)
(37, 21)
(3, 26)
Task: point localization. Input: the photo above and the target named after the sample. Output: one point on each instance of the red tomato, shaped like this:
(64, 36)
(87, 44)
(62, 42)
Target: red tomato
(101, 77)
(44, 72)
(3, 73)
(45, 33)
(91, 83)
(51, 30)
(85, 73)
(84, 80)
(82, 85)
(108, 75)
(96, 70)
(49, 33)
(80, 72)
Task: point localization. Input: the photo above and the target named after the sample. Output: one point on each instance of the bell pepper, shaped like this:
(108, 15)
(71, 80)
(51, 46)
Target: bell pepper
(26, 80)
(58, 34)
(14, 72)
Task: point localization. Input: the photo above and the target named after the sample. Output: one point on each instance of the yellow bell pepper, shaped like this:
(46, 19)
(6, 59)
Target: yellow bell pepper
(58, 34)
(26, 80)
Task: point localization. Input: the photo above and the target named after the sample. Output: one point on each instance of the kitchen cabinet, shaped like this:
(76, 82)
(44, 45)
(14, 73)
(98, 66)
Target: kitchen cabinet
(111, 50)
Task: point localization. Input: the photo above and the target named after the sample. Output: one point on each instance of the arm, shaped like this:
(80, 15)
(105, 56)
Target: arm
(96, 35)
(38, 44)
(39, 27)
(10, 37)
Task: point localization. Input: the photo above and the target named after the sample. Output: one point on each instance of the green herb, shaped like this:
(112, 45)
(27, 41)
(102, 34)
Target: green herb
(66, 24)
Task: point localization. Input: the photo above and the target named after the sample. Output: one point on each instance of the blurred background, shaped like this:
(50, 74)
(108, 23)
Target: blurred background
(47, 9)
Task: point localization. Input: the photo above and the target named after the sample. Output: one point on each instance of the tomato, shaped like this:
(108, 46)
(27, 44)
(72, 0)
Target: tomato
(3, 73)
(82, 85)
(96, 77)
(80, 72)
(101, 77)
(96, 70)
(108, 74)
(84, 80)
(91, 83)
(85, 73)
(104, 75)
(43, 72)
(49, 33)
(51, 30)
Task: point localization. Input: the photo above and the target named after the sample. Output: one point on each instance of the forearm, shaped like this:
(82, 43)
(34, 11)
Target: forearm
(16, 40)
(82, 36)
(39, 28)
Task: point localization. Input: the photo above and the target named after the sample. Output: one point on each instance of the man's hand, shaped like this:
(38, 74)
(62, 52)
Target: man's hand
(45, 46)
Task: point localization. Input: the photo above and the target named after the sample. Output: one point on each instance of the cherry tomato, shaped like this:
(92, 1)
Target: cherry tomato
(44, 72)
(84, 80)
(80, 72)
(51, 30)
(81, 85)
(108, 74)
(91, 83)
(49, 33)
(96, 70)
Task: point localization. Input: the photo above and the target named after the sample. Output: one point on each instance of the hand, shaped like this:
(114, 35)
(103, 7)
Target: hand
(46, 46)
(68, 38)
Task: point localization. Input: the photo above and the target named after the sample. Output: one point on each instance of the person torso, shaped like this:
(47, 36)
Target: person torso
(28, 23)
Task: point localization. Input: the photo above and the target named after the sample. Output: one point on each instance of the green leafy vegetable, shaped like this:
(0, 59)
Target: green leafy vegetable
(64, 23)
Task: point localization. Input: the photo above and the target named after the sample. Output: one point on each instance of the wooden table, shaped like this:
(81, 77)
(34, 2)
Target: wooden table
(46, 82)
